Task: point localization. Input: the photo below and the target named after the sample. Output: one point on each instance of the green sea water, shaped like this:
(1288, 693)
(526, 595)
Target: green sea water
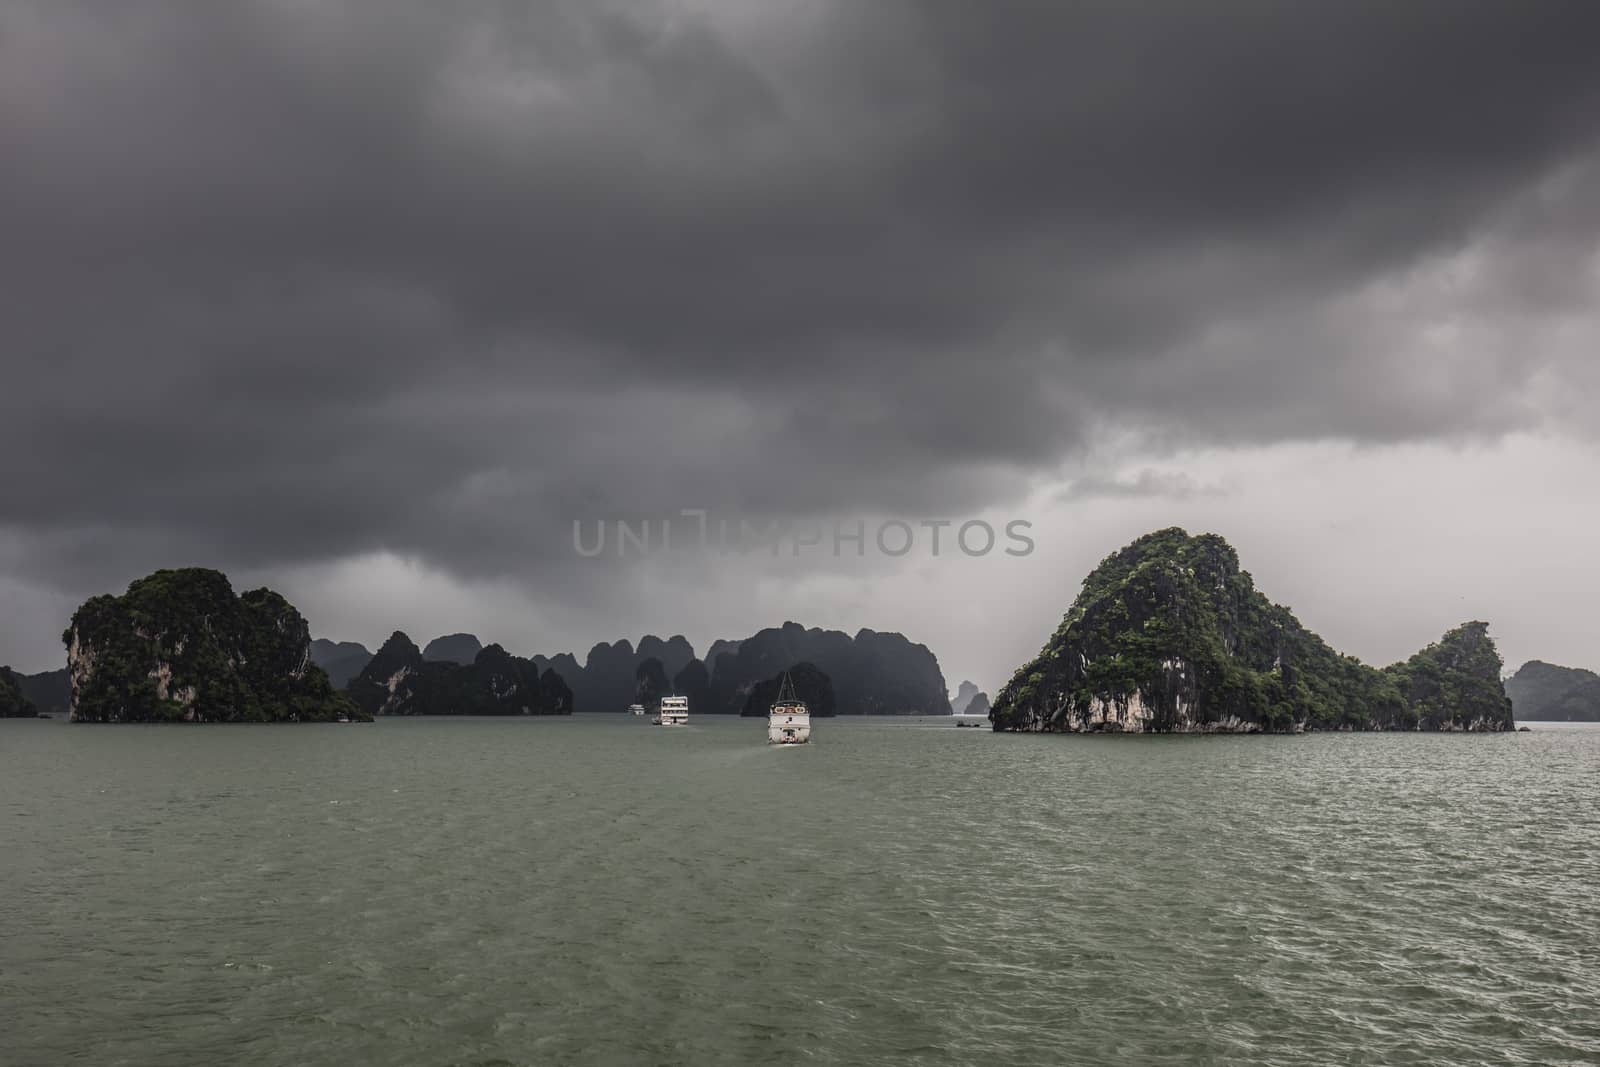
(595, 890)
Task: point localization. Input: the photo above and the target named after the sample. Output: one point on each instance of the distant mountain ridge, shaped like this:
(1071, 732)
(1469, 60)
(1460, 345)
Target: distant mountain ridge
(14, 704)
(810, 685)
(872, 673)
(400, 680)
(453, 648)
(1544, 692)
(343, 660)
(50, 691)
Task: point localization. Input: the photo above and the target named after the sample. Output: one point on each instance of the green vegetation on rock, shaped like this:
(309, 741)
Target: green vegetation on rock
(1169, 635)
(179, 646)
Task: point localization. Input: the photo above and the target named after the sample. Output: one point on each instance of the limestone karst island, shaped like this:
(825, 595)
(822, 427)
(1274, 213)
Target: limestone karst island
(1170, 636)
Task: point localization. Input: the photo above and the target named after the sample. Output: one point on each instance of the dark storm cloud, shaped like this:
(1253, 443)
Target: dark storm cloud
(288, 282)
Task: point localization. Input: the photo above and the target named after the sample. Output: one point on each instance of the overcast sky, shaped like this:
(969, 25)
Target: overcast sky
(370, 302)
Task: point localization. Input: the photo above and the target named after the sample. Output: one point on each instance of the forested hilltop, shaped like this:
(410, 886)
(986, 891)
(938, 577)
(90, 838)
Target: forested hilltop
(1169, 635)
(179, 646)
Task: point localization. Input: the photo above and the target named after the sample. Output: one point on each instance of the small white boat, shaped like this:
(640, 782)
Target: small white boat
(637, 709)
(788, 720)
(674, 712)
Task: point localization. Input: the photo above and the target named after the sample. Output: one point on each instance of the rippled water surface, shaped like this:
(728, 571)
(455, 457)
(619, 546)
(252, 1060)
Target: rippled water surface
(597, 891)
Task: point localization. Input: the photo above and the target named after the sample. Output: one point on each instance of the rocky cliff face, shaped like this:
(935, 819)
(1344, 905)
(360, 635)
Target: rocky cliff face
(401, 681)
(179, 646)
(1543, 692)
(964, 694)
(13, 704)
(1169, 635)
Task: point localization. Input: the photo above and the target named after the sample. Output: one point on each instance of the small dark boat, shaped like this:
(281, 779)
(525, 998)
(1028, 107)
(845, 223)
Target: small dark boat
(963, 725)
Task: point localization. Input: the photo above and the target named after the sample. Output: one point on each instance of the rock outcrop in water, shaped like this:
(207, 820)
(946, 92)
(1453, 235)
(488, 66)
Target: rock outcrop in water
(1169, 635)
(978, 705)
(179, 646)
(810, 685)
(13, 703)
(1543, 692)
(401, 681)
(964, 694)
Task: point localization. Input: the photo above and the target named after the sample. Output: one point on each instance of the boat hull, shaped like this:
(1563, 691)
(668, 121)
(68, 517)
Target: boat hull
(788, 729)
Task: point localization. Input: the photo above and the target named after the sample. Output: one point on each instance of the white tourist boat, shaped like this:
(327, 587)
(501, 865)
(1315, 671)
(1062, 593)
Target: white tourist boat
(789, 720)
(637, 709)
(674, 712)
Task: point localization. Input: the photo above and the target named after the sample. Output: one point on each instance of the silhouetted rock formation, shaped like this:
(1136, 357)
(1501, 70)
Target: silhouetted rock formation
(674, 653)
(694, 682)
(810, 685)
(400, 681)
(608, 678)
(342, 660)
(1543, 692)
(978, 705)
(50, 691)
(13, 704)
(650, 683)
(964, 694)
(460, 649)
(872, 673)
